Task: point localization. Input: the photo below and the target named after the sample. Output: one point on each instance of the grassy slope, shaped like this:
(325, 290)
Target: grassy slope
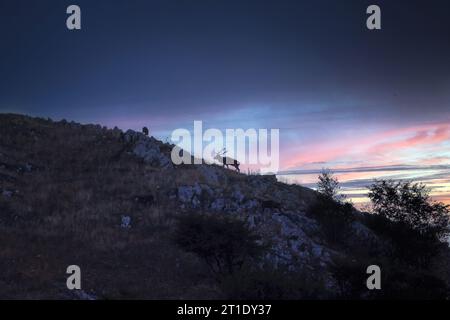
(67, 207)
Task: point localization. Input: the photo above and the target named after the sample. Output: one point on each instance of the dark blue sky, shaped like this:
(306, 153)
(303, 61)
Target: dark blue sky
(310, 68)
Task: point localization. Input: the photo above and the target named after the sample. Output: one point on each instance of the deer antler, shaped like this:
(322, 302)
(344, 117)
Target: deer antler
(221, 152)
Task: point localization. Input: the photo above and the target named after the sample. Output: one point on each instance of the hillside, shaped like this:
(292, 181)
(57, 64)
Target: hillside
(111, 201)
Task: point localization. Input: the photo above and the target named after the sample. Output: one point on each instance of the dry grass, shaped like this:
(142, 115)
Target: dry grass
(68, 210)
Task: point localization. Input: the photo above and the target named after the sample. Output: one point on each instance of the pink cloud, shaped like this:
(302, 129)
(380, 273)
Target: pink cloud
(372, 149)
(421, 138)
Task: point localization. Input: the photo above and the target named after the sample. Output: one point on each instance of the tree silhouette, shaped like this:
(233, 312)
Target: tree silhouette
(328, 185)
(410, 204)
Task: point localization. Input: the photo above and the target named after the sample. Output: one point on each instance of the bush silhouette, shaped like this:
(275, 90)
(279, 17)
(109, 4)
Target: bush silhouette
(334, 217)
(350, 277)
(224, 243)
(268, 282)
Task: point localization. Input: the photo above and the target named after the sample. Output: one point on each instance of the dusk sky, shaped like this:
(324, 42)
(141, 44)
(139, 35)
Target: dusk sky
(365, 103)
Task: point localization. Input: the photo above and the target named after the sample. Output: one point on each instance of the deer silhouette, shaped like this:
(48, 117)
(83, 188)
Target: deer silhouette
(227, 161)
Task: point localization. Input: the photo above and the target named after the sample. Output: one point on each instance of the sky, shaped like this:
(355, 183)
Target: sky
(365, 103)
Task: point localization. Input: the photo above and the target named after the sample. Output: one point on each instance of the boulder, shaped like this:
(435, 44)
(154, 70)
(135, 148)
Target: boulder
(125, 222)
(147, 149)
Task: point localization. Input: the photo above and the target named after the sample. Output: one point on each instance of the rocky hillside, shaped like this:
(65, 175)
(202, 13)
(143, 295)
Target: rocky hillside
(110, 201)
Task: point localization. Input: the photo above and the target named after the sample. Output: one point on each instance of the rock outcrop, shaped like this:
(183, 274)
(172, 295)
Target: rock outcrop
(147, 149)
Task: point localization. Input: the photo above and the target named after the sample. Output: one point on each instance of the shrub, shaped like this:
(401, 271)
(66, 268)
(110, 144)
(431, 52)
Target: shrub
(224, 243)
(407, 245)
(397, 281)
(350, 277)
(266, 282)
(334, 217)
(413, 285)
